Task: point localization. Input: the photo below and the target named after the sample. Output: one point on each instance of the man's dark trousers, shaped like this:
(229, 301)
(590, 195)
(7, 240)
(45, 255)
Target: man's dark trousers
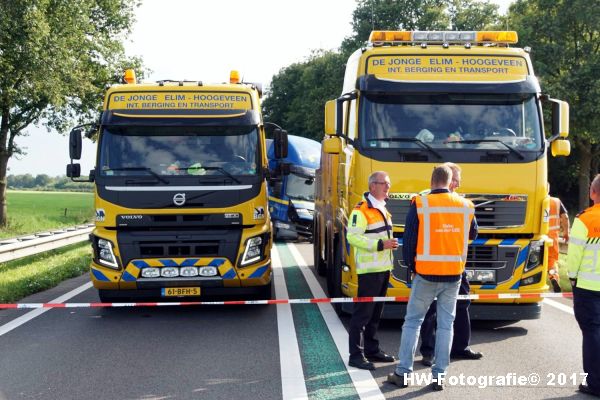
(462, 324)
(366, 316)
(586, 305)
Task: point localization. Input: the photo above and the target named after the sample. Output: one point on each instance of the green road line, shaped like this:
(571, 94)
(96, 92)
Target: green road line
(324, 370)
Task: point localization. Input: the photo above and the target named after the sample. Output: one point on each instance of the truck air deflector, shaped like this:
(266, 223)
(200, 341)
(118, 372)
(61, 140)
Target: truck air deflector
(232, 117)
(370, 84)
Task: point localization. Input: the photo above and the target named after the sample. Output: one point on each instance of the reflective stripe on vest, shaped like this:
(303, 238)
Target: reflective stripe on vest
(451, 215)
(583, 256)
(364, 239)
(554, 217)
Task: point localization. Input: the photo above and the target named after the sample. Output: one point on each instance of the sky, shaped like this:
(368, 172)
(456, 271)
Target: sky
(204, 40)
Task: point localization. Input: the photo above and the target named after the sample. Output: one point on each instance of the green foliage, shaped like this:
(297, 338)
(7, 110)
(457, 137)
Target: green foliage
(414, 15)
(21, 278)
(56, 57)
(297, 96)
(38, 211)
(565, 38)
(47, 183)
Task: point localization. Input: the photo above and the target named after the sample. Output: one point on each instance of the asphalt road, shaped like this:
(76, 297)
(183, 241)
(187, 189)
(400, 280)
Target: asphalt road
(261, 352)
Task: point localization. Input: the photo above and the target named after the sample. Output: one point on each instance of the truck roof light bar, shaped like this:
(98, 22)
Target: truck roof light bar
(491, 37)
(129, 77)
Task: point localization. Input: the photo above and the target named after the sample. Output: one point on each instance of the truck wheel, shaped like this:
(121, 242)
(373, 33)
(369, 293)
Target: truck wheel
(334, 277)
(110, 298)
(265, 292)
(318, 262)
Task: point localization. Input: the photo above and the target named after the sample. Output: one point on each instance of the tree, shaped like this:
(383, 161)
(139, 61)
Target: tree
(297, 95)
(55, 59)
(565, 40)
(413, 15)
(42, 180)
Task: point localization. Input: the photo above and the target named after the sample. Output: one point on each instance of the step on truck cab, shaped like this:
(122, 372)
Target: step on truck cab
(180, 191)
(292, 198)
(413, 100)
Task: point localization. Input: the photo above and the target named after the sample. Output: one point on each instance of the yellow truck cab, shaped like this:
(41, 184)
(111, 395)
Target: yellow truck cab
(413, 100)
(180, 191)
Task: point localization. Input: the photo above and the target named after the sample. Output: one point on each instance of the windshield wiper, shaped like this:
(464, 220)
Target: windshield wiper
(145, 169)
(510, 148)
(410, 140)
(220, 169)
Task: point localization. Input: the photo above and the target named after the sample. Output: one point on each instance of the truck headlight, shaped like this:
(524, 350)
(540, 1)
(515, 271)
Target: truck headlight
(105, 254)
(304, 213)
(253, 251)
(481, 275)
(535, 256)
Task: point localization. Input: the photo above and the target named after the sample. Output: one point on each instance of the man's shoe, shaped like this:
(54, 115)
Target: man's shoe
(380, 356)
(427, 360)
(555, 286)
(397, 380)
(361, 363)
(586, 389)
(436, 386)
(467, 354)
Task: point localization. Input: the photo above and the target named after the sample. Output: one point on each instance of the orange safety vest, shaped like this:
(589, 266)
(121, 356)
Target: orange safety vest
(444, 224)
(554, 218)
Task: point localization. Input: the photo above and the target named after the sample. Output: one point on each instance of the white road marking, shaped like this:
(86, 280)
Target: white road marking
(366, 386)
(560, 306)
(15, 323)
(292, 373)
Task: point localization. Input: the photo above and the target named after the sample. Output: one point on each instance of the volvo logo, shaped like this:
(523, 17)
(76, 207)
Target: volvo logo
(179, 199)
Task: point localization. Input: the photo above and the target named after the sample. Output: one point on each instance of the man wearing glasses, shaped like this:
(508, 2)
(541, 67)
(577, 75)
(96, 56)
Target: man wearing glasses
(370, 233)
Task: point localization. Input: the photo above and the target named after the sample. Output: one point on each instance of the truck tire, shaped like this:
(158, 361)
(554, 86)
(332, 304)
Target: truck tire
(110, 298)
(318, 262)
(334, 277)
(265, 292)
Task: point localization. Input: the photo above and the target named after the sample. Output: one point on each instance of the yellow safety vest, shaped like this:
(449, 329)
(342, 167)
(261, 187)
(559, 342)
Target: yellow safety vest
(366, 226)
(583, 257)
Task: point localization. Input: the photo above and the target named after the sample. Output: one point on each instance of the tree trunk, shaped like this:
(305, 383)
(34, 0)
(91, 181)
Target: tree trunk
(3, 184)
(585, 164)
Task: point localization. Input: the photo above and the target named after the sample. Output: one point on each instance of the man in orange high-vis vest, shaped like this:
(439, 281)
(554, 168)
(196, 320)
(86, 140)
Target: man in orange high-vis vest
(558, 219)
(462, 321)
(444, 223)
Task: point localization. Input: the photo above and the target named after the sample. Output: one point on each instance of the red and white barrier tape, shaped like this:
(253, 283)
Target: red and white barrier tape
(491, 296)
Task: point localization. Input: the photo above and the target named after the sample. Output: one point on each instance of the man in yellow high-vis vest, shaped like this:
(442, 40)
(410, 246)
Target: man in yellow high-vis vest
(370, 234)
(583, 262)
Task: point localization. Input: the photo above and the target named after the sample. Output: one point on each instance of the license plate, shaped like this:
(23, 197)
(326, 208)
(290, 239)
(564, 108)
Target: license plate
(180, 291)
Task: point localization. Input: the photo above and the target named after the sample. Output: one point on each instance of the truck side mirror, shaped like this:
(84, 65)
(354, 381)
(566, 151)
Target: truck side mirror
(332, 145)
(560, 118)
(280, 142)
(73, 170)
(75, 144)
(560, 147)
(330, 107)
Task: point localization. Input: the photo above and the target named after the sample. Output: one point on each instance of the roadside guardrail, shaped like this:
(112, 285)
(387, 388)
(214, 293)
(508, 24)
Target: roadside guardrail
(23, 246)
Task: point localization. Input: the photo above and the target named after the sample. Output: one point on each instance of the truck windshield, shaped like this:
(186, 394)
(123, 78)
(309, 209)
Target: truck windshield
(165, 151)
(300, 187)
(451, 121)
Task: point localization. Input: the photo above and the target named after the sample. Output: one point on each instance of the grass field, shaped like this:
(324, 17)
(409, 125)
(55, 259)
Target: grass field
(30, 212)
(33, 274)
